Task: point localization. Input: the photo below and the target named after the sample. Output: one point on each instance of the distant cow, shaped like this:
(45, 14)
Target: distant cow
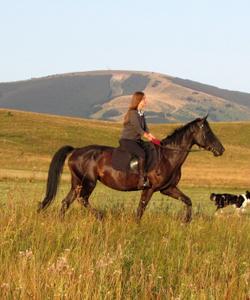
(239, 201)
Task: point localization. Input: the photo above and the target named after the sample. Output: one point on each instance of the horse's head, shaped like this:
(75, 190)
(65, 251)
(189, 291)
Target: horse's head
(205, 138)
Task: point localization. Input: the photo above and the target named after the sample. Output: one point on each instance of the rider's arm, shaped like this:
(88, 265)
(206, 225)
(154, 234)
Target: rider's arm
(151, 138)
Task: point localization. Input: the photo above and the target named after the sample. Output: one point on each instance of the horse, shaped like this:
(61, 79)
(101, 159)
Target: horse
(92, 163)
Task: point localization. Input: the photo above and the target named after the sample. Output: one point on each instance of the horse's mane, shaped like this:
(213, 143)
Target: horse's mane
(176, 136)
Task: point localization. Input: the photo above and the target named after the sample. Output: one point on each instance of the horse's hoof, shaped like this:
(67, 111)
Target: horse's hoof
(99, 215)
(137, 221)
(187, 220)
(61, 216)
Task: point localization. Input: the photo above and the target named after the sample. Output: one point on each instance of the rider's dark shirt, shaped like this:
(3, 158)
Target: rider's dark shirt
(135, 127)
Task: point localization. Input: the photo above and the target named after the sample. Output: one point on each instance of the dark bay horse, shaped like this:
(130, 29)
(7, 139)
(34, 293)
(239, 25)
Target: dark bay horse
(92, 163)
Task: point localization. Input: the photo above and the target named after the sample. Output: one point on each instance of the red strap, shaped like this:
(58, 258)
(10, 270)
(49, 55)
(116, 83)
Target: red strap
(156, 142)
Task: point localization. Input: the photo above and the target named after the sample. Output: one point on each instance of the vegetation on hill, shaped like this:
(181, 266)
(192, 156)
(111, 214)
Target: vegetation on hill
(29, 141)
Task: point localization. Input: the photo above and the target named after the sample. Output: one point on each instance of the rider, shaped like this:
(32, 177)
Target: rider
(134, 127)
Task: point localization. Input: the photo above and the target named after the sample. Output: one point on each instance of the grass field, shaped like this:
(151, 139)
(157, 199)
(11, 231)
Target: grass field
(42, 257)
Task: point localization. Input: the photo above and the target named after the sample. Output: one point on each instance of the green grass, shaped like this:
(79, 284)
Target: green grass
(42, 257)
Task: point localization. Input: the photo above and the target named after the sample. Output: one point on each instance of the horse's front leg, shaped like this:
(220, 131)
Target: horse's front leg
(145, 197)
(175, 193)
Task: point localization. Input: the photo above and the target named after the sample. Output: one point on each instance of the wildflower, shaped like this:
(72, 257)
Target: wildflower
(27, 254)
(5, 286)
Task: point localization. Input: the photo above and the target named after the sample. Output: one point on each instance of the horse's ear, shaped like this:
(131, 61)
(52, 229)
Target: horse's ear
(205, 118)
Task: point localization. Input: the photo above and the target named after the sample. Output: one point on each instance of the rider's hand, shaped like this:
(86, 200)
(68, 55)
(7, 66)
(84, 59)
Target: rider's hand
(148, 136)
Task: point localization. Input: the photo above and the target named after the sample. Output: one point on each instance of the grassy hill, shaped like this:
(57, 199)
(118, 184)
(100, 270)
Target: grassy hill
(105, 95)
(29, 140)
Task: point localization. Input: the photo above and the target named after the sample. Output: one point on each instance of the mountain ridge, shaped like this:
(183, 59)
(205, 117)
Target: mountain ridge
(105, 95)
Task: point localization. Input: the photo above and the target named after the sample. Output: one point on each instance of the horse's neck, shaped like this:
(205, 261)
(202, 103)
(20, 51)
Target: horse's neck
(178, 153)
(175, 157)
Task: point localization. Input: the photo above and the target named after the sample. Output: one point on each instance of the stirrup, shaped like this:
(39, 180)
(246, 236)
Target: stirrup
(146, 184)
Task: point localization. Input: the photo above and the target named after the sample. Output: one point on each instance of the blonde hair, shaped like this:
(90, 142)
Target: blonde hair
(136, 99)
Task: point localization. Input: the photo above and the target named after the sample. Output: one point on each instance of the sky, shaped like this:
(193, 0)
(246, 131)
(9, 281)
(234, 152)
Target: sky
(202, 40)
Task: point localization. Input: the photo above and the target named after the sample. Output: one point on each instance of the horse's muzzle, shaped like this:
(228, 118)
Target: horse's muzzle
(218, 152)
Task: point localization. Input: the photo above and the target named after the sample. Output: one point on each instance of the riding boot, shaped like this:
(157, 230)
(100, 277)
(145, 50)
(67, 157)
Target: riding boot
(143, 180)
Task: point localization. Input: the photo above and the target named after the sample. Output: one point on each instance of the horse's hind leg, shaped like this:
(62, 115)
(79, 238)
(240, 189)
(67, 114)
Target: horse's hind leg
(85, 192)
(67, 201)
(72, 194)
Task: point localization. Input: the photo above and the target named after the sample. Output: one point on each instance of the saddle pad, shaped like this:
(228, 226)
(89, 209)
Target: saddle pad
(121, 158)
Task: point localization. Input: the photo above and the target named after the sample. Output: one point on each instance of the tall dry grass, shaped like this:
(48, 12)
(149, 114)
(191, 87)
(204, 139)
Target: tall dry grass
(81, 258)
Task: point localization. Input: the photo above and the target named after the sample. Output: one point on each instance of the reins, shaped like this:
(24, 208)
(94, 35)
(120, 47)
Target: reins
(179, 150)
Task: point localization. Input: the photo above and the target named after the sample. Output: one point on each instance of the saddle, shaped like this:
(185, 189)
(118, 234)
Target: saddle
(124, 161)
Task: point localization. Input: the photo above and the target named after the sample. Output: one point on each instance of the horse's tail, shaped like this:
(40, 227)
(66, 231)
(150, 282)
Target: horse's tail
(55, 171)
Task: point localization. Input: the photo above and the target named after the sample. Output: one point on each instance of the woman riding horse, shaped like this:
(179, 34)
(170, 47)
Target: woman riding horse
(134, 127)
